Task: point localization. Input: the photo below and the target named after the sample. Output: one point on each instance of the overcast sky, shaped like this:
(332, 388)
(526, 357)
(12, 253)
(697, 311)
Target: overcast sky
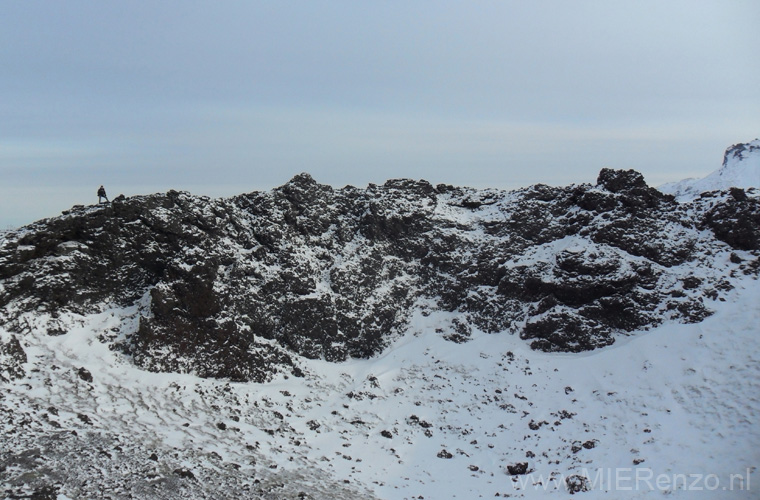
(224, 97)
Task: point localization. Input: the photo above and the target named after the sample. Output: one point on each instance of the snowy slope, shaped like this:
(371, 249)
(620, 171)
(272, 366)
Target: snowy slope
(401, 341)
(429, 418)
(741, 168)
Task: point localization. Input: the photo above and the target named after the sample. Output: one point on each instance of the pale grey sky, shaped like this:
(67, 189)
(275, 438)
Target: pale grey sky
(224, 97)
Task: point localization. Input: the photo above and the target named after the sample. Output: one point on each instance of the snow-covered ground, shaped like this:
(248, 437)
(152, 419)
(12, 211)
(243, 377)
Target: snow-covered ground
(671, 413)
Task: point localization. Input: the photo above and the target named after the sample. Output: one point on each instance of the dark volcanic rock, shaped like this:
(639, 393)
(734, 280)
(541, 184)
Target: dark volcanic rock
(517, 469)
(241, 287)
(621, 180)
(184, 473)
(577, 484)
(84, 374)
(12, 359)
(736, 221)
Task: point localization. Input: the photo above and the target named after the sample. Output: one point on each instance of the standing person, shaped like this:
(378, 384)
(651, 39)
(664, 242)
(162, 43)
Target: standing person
(102, 194)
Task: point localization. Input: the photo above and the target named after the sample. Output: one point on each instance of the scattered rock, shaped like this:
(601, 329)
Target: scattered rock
(577, 484)
(84, 418)
(184, 473)
(534, 426)
(517, 469)
(85, 375)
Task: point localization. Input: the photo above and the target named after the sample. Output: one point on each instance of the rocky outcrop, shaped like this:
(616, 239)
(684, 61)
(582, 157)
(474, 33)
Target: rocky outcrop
(12, 359)
(740, 169)
(736, 220)
(741, 151)
(241, 287)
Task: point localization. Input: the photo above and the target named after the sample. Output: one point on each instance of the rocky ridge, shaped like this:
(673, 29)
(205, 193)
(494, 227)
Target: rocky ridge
(241, 288)
(740, 169)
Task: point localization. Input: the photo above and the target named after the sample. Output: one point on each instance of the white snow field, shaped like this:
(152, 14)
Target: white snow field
(668, 413)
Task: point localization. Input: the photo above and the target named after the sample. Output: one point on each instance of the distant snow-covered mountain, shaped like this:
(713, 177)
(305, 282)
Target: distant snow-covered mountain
(741, 169)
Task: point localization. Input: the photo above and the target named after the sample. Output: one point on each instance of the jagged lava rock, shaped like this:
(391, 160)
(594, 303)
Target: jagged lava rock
(241, 287)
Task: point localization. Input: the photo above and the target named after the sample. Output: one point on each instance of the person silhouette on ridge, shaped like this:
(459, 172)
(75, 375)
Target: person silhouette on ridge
(102, 194)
